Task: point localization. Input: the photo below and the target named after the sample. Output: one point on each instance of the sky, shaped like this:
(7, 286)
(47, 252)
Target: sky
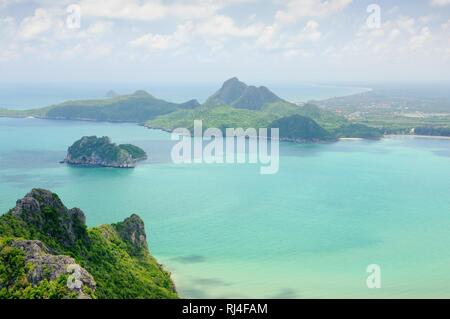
(198, 41)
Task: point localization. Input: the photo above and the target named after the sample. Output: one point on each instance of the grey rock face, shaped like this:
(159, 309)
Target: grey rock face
(44, 210)
(50, 267)
(132, 230)
(126, 161)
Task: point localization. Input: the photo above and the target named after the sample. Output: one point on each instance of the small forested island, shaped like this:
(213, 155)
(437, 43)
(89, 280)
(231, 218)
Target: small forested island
(100, 151)
(47, 252)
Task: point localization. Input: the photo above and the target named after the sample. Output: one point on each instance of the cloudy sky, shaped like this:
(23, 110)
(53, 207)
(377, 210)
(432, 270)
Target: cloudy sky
(210, 40)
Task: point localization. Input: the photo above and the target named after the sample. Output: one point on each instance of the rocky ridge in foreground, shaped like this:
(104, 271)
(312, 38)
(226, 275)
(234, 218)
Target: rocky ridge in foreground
(46, 251)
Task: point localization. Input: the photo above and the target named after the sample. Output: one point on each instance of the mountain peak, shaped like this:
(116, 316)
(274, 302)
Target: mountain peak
(141, 93)
(45, 211)
(233, 80)
(239, 95)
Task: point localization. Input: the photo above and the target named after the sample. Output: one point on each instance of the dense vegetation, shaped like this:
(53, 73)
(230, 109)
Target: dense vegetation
(328, 120)
(116, 255)
(221, 117)
(299, 128)
(358, 131)
(136, 153)
(14, 283)
(432, 131)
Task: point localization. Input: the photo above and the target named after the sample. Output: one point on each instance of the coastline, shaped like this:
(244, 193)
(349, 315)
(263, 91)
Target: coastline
(170, 131)
(431, 137)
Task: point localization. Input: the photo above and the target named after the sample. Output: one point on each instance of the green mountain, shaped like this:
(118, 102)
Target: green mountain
(46, 251)
(137, 108)
(239, 95)
(95, 151)
(238, 105)
(297, 128)
(235, 105)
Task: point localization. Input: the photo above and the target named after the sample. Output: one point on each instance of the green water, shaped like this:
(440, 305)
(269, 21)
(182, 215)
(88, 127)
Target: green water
(227, 231)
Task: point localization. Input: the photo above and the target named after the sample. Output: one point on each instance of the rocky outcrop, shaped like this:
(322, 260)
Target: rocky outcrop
(46, 251)
(45, 211)
(132, 230)
(45, 266)
(94, 151)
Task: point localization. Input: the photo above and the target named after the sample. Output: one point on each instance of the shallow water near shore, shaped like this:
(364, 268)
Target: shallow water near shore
(309, 231)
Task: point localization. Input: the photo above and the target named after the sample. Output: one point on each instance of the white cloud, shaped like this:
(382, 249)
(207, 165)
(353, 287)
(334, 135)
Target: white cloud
(446, 25)
(5, 3)
(149, 10)
(311, 31)
(220, 32)
(216, 31)
(160, 42)
(36, 24)
(268, 36)
(393, 10)
(440, 3)
(296, 53)
(6, 24)
(212, 31)
(403, 22)
(296, 9)
(289, 44)
(402, 36)
(100, 27)
(123, 9)
(221, 25)
(419, 40)
(7, 29)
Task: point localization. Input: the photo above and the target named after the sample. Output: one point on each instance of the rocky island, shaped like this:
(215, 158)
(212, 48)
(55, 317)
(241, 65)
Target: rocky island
(47, 252)
(100, 151)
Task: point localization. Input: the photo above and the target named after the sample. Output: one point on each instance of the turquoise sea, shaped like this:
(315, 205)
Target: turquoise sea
(309, 231)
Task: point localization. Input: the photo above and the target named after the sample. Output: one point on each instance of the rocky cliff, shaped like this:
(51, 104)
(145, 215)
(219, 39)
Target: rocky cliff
(46, 251)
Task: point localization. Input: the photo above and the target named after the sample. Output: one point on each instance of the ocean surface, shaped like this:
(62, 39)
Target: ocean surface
(226, 231)
(33, 95)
